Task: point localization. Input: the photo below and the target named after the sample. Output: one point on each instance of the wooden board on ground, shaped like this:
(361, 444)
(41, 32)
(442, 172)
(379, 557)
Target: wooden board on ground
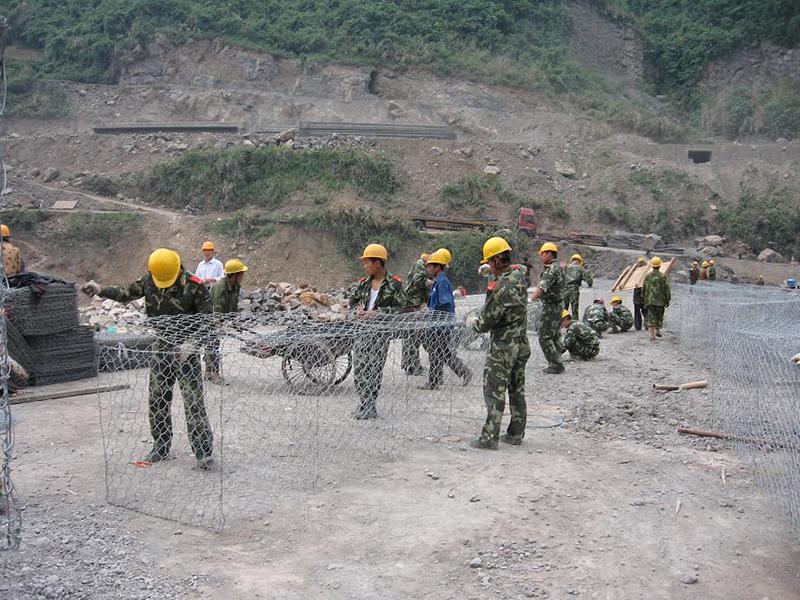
(633, 276)
(65, 204)
(54, 394)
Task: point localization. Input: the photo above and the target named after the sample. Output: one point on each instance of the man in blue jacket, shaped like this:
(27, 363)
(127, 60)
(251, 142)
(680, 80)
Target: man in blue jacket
(439, 342)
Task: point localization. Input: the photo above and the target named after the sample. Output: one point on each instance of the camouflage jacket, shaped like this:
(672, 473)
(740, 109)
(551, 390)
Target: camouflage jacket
(415, 289)
(505, 313)
(575, 274)
(712, 273)
(655, 289)
(596, 314)
(580, 339)
(12, 259)
(551, 283)
(621, 317)
(224, 296)
(187, 296)
(390, 295)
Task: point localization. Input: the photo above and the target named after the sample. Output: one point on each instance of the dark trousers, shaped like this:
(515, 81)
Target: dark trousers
(639, 315)
(439, 345)
(369, 358)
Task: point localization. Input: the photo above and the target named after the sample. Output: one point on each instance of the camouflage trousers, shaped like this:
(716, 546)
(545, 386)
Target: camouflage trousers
(369, 358)
(409, 360)
(582, 352)
(550, 334)
(505, 371)
(655, 316)
(164, 373)
(572, 299)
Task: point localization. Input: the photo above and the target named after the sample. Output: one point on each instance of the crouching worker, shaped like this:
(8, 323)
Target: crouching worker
(620, 319)
(596, 316)
(505, 317)
(579, 339)
(378, 292)
(169, 290)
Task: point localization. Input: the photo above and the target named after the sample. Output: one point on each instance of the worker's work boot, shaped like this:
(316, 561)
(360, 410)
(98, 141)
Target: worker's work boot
(482, 444)
(204, 463)
(554, 369)
(514, 440)
(365, 411)
(156, 455)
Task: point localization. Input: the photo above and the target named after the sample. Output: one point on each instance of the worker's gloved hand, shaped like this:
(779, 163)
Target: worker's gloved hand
(185, 350)
(90, 288)
(471, 322)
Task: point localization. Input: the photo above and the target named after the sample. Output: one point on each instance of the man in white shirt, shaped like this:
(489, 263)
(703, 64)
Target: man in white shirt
(210, 269)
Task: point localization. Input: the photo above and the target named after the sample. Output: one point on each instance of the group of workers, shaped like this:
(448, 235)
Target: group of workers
(705, 271)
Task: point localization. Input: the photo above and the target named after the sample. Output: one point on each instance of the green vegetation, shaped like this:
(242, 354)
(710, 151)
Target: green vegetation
(244, 225)
(476, 192)
(771, 218)
(35, 99)
(265, 177)
(101, 229)
(99, 184)
(773, 111)
(22, 219)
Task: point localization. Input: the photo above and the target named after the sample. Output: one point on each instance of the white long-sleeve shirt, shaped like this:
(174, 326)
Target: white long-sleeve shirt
(210, 268)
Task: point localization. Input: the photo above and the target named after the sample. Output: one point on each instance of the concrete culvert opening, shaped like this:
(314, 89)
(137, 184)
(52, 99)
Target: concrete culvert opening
(700, 156)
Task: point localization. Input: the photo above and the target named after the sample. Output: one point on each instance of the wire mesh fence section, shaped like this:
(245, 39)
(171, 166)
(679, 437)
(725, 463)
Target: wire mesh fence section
(278, 403)
(747, 337)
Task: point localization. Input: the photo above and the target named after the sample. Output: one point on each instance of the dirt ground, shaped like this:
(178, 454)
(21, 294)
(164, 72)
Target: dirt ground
(613, 504)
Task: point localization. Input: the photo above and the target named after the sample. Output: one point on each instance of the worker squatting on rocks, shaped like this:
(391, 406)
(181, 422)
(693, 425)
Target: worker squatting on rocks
(579, 339)
(12, 257)
(657, 295)
(550, 290)
(439, 337)
(378, 292)
(505, 317)
(575, 274)
(415, 297)
(596, 316)
(225, 299)
(620, 319)
(168, 289)
(639, 309)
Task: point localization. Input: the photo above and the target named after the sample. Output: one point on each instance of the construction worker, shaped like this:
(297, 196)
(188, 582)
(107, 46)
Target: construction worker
(575, 274)
(639, 309)
(712, 270)
(438, 340)
(526, 262)
(620, 319)
(169, 290)
(12, 258)
(657, 296)
(505, 317)
(694, 272)
(378, 292)
(210, 269)
(225, 299)
(550, 290)
(760, 280)
(704, 271)
(596, 316)
(579, 339)
(415, 297)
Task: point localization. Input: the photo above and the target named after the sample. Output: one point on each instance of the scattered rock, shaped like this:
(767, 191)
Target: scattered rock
(50, 174)
(769, 255)
(689, 579)
(475, 499)
(436, 151)
(492, 170)
(565, 169)
(711, 240)
(465, 152)
(285, 136)
(476, 562)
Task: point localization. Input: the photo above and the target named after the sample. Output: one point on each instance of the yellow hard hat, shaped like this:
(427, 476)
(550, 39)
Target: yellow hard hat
(565, 314)
(705, 263)
(424, 256)
(616, 299)
(164, 266)
(655, 262)
(5, 231)
(641, 260)
(234, 265)
(548, 247)
(494, 246)
(577, 257)
(375, 251)
(445, 252)
(440, 257)
(209, 245)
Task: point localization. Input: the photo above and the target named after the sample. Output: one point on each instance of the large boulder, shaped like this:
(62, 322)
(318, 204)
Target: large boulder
(769, 255)
(712, 240)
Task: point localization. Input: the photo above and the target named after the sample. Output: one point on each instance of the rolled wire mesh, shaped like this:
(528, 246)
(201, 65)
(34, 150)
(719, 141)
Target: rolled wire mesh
(747, 337)
(281, 403)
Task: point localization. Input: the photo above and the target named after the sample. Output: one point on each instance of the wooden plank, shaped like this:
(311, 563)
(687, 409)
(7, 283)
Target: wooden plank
(632, 276)
(64, 204)
(26, 398)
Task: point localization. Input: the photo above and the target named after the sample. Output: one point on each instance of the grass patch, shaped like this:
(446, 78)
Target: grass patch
(242, 225)
(22, 219)
(104, 186)
(101, 229)
(475, 192)
(32, 99)
(773, 111)
(265, 177)
(768, 219)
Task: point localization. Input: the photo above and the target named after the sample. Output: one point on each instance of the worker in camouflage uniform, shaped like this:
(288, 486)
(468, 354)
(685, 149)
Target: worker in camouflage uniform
(694, 272)
(415, 295)
(505, 317)
(225, 299)
(377, 293)
(169, 290)
(596, 316)
(712, 270)
(575, 274)
(639, 310)
(579, 339)
(550, 290)
(12, 257)
(620, 319)
(657, 296)
(704, 271)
